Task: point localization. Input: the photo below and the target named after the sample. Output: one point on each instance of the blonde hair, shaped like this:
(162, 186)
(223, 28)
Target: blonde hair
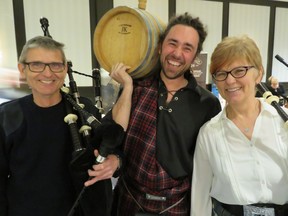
(234, 48)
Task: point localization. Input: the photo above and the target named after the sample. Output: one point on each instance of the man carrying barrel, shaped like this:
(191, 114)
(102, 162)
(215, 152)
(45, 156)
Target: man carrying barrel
(162, 114)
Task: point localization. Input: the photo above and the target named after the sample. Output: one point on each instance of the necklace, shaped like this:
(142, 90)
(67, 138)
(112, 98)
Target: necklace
(180, 85)
(245, 124)
(246, 130)
(176, 88)
(172, 92)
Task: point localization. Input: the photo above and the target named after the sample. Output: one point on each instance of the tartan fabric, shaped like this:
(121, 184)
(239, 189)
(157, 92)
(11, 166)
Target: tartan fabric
(128, 207)
(142, 170)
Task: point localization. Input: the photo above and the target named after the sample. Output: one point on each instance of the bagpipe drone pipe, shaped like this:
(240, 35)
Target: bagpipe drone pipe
(87, 131)
(274, 101)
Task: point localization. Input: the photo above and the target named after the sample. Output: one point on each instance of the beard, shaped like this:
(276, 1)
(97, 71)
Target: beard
(174, 75)
(173, 72)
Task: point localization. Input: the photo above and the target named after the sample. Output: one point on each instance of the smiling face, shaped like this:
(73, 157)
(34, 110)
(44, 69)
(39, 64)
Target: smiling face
(178, 50)
(237, 90)
(45, 84)
(233, 52)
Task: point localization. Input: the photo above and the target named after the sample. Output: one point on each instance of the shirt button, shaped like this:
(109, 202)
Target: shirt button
(176, 98)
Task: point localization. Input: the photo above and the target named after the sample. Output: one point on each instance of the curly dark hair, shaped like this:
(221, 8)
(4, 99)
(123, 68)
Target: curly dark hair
(188, 20)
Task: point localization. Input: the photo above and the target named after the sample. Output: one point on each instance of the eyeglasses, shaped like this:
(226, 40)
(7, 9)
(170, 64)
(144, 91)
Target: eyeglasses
(39, 67)
(237, 72)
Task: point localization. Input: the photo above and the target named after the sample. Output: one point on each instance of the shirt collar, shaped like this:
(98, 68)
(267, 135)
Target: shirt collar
(192, 83)
(265, 108)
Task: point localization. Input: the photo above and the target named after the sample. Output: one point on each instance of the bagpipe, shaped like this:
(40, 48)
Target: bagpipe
(274, 101)
(284, 97)
(82, 125)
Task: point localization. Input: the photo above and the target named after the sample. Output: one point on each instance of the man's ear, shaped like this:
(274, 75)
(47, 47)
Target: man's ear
(21, 68)
(159, 48)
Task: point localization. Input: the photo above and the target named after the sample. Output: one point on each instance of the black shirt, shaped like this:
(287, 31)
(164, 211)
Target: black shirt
(179, 123)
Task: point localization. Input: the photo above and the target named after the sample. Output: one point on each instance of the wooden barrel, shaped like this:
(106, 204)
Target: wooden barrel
(128, 35)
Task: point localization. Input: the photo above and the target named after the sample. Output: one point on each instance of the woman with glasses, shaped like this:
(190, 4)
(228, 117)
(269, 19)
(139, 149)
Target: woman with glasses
(241, 156)
(36, 145)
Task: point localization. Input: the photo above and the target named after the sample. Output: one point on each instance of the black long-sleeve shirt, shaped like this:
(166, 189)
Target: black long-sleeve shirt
(35, 156)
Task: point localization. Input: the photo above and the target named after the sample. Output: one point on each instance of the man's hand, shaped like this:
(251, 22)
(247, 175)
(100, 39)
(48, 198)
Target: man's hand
(103, 170)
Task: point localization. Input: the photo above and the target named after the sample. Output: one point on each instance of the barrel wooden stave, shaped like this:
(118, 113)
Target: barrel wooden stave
(128, 35)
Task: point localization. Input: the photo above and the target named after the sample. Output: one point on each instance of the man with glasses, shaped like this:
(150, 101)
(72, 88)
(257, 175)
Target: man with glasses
(36, 145)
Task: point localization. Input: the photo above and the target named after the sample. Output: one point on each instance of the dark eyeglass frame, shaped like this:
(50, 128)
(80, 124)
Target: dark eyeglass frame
(60, 65)
(246, 68)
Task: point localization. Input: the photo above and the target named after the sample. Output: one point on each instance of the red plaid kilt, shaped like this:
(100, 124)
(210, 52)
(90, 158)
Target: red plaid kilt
(126, 202)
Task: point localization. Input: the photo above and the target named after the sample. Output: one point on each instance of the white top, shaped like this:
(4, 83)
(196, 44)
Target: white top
(235, 170)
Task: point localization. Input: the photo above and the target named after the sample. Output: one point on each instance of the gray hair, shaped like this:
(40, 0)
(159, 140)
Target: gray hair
(41, 42)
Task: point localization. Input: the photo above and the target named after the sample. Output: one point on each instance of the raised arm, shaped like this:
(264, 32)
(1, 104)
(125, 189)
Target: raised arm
(121, 109)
